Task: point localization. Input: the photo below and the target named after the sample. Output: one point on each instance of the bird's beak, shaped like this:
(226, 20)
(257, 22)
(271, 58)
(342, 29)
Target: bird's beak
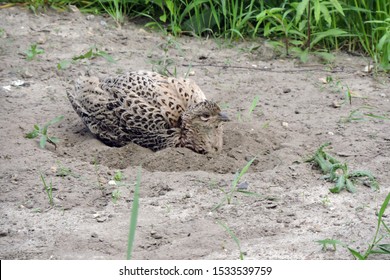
(223, 117)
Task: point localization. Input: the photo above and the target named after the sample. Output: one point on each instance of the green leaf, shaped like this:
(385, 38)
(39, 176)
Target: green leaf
(53, 139)
(42, 141)
(83, 56)
(260, 17)
(382, 41)
(325, 13)
(243, 171)
(304, 56)
(350, 186)
(356, 254)
(302, 6)
(55, 120)
(106, 56)
(325, 56)
(44, 130)
(171, 6)
(385, 248)
(338, 7)
(63, 64)
(332, 242)
(233, 236)
(383, 208)
(339, 185)
(376, 116)
(163, 17)
(334, 32)
(317, 11)
(33, 134)
(248, 193)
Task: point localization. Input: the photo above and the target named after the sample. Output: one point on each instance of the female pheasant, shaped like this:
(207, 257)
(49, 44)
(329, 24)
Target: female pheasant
(150, 110)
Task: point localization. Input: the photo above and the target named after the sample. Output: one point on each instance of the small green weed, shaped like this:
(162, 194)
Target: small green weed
(339, 172)
(48, 189)
(338, 87)
(375, 247)
(42, 132)
(236, 187)
(115, 195)
(118, 176)
(90, 54)
(33, 51)
(359, 115)
(163, 64)
(63, 171)
(117, 180)
(254, 103)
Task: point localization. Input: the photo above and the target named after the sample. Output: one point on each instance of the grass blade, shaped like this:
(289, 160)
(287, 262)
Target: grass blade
(233, 236)
(356, 254)
(243, 171)
(134, 216)
(42, 141)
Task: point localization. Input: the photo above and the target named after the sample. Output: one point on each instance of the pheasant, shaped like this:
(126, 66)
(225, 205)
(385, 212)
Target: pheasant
(150, 110)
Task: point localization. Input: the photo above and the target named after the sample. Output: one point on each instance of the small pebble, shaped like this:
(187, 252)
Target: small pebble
(335, 104)
(155, 235)
(368, 68)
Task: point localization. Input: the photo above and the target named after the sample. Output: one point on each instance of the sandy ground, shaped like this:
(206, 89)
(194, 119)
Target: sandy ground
(295, 114)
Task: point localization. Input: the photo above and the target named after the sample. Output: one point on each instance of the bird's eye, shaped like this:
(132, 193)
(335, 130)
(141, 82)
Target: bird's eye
(205, 117)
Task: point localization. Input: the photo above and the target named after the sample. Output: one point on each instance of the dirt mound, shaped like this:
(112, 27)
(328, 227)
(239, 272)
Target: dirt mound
(241, 144)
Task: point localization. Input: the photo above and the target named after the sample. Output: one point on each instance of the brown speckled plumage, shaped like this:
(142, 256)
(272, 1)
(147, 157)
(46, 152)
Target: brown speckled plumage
(150, 110)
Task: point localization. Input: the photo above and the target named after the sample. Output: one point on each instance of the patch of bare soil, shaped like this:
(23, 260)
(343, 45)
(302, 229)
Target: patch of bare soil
(180, 189)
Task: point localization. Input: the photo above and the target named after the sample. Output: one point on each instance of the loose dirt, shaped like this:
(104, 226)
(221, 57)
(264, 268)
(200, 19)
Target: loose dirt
(297, 111)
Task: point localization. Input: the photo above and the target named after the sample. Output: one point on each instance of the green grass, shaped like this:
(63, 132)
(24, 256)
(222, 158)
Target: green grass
(254, 103)
(234, 237)
(376, 246)
(42, 132)
(92, 53)
(300, 27)
(134, 216)
(116, 9)
(48, 189)
(362, 113)
(236, 187)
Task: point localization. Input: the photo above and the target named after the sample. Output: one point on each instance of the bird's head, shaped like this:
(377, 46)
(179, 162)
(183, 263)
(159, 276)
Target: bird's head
(201, 126)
